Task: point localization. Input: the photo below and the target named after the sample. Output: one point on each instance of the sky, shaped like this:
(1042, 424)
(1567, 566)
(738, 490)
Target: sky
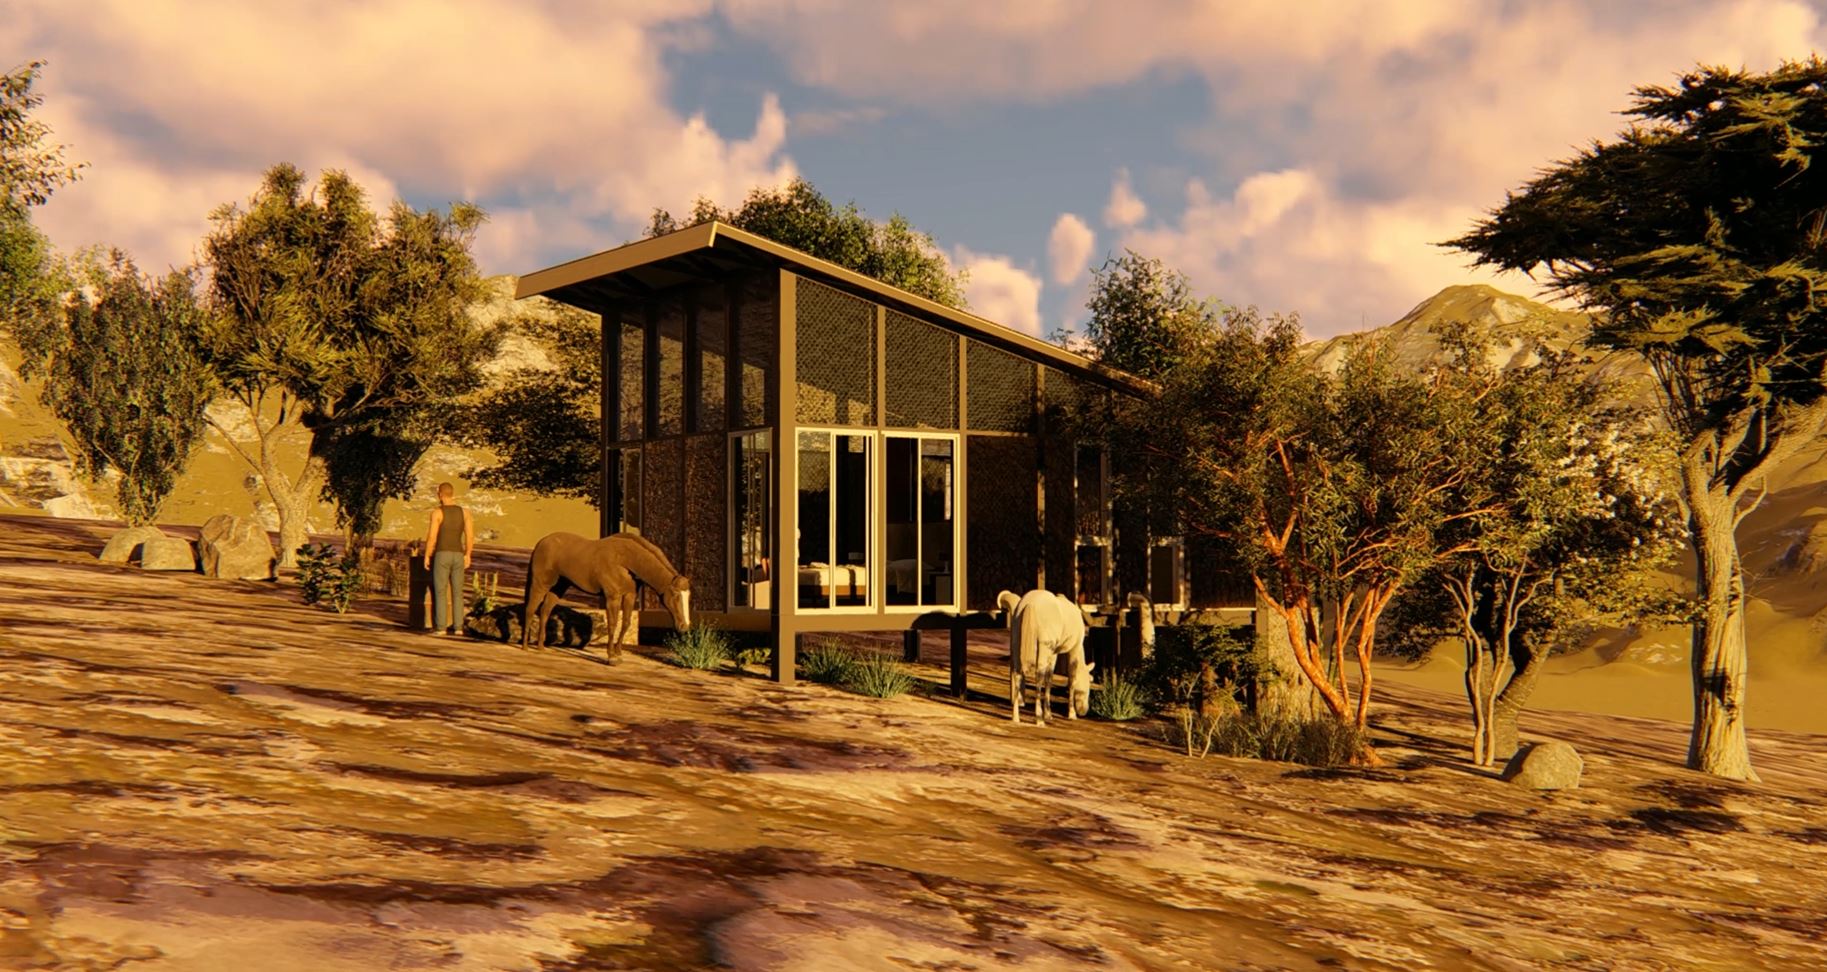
(1299, 157)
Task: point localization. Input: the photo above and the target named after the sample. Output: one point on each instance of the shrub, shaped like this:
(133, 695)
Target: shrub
(1279, 736)
(757, 655)
(1118, 700)
(326, 578)
(484, 597)
(704, 646)
(1201, 666)
(827, 663)
(878, 676)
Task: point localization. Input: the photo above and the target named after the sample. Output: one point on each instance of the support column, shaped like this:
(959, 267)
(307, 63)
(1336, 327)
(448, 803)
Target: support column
(785, 574)
(611, 405)
(910, 645)
(960, 660)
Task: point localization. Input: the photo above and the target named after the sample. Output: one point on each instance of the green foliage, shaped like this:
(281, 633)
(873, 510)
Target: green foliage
(484, 595)
(356, 327)
(326, 578)
(756, 655)
(122, 373)
(1144, 317)
(827, 663)
(878, 676)
(541, 423)
(800, 216)
(1269, 735)
(30, 169)
(1119, 700)
(1199, 665)
(704, 646)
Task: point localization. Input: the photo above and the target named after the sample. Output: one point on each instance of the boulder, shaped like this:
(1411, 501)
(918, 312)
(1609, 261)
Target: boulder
(235, 548)
(168, 553)
(1807, 553)
(1551, 765)
(567, 627)
(127, 544)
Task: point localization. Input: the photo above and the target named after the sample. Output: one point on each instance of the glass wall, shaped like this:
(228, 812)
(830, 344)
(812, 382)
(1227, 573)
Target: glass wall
(751, 519)
(919, 492)
(713, 352)
(834, 518)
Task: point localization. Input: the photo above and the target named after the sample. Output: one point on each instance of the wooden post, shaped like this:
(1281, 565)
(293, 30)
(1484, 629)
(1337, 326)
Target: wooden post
(785, 586)
(910, 645)
(611, 404)
(960, 659)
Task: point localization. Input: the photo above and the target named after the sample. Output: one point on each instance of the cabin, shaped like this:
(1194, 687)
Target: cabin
(823, 452)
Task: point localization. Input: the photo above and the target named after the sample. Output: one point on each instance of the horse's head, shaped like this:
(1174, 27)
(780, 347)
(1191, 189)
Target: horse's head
(678, 602)
(1081, 688)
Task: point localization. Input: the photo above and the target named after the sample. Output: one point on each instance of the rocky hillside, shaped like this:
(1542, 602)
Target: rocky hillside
(36, 474)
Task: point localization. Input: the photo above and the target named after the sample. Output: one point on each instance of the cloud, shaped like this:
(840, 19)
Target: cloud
(182, 106)
(1000, 291)
(1069, 248)
(1124, 208)
(834, 120)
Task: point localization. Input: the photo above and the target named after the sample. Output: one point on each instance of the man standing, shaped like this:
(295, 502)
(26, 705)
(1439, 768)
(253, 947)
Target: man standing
(448, 545)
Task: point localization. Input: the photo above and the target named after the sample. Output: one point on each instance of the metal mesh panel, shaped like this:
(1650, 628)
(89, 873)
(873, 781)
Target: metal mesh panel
(999, 390)
(633, 368)
(835, 357)
(664, 475)
(1000, 533)
(672, 366)
(757, 332)
(705, 536)
(1065, 394)
(1061, 540)
(922, 381)
(713, 352)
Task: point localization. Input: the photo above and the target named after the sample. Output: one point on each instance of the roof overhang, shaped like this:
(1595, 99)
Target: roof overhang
(714, 250)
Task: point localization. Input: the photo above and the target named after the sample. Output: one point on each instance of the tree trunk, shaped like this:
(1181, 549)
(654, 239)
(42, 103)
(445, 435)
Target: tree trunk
(1717, 744)
(1283, 689)
(1510, 702)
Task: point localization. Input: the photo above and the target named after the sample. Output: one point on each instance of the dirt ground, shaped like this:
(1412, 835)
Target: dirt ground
(200, 774)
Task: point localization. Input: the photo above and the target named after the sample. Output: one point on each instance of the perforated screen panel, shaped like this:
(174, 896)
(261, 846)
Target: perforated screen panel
(922, 374)
(705, 535)
(633, 371)
(999, 390)
(756, 333)
(713, 351)
(1000, 533)
(671, 312)
(1064, 393)
(665, 483)
(835, 356)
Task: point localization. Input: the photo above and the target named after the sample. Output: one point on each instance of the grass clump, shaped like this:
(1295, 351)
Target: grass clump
(1118, 700)
(1279, 736)
(703, 647)
(827, 663)
(878, 676)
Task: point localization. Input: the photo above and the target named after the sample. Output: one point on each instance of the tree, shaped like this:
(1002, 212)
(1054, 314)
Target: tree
(121, 372)
(1567, 524)
(30, 170)
(342, 331)
(1329, 489)
(800, 216)
(1144, 318)
(1701, 233)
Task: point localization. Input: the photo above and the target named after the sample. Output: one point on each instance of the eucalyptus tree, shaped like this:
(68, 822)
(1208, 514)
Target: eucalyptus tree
(1700, 234)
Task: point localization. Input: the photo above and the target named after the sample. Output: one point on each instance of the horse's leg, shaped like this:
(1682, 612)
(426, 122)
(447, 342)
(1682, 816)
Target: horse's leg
(546, 607)
(1043, 702)
(1015, 698)
(536, 593)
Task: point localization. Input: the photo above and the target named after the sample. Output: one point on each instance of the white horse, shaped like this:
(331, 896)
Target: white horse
(1043, 626)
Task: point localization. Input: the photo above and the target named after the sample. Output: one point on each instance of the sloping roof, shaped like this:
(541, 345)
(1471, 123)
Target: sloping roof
(709, 250)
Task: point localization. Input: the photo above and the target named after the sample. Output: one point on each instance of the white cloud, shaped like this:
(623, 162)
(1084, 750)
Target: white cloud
(1068, 248)
(1000, 291)
(181, 106)
(1124, 209)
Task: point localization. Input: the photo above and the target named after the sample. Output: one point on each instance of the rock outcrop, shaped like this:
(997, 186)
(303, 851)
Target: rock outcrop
(235, 548)
(1551, 765)
(568, 627)
(128, 544)
(168, 553)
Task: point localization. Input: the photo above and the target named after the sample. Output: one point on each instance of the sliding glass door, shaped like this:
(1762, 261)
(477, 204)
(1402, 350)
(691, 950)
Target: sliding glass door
(919, 487)
(751, 520)
(834, 475)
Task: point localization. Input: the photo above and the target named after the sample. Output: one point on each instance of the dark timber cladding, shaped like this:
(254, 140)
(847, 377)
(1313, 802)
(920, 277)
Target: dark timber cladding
(823, 452)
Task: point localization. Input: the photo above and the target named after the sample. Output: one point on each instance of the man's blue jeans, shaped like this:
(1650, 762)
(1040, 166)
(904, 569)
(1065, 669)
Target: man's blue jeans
(446, 603)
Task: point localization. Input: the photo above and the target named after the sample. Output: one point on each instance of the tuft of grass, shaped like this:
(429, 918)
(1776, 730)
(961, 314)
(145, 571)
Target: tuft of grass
(1118, 700)
(702, 647)
(827, 663)
(879, 676)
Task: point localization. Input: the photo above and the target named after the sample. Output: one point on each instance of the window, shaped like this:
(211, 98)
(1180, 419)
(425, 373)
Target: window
(671, 393)
(1167, 573)
(632, 374)
(920, 495)
(629, 499)
(713, 343)
(752, 483)
(833, 476)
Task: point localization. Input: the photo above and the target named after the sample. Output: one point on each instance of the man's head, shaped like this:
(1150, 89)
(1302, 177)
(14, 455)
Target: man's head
(446, 492)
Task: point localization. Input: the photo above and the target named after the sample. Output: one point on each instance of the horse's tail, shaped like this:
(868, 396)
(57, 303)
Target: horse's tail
(1005, 602)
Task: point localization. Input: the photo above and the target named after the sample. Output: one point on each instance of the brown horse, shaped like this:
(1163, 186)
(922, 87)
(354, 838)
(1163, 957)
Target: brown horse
(609, 567)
